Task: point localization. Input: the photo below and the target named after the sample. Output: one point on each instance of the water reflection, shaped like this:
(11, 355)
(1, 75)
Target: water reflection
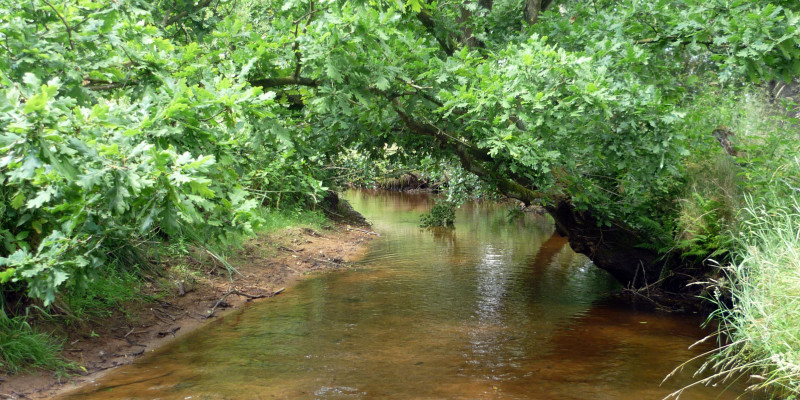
(493, 309)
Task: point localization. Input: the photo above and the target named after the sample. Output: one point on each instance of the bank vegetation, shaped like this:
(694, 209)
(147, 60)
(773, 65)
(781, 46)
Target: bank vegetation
(644, 128)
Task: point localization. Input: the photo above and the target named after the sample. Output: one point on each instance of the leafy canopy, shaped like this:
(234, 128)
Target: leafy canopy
(124, 120)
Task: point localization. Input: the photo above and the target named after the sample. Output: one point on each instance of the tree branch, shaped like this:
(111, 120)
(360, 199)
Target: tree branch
(429, 24)
(472, 159)
(66, 25)
(169, 20)
(284, 81)
(94, 84)
(296, 46)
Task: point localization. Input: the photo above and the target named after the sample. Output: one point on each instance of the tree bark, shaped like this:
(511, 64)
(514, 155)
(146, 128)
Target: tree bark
(533, 8)
(614, 249)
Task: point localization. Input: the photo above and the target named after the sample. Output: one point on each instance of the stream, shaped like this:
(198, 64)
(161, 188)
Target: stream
(492, 309)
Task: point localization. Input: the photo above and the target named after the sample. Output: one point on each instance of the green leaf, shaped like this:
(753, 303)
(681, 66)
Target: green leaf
(6, 275)
(382, 83)
(42, 198)
(36, 103)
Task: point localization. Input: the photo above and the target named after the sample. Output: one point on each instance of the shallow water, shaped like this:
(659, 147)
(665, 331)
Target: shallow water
(489, 310)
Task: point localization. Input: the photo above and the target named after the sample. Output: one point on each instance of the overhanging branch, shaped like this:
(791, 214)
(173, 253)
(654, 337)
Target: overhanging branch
(471, 158)
(284, 81)
(170, 18)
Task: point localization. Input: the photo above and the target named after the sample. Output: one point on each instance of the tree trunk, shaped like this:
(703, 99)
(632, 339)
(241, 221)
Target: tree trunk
(532, 10)
(614, 249)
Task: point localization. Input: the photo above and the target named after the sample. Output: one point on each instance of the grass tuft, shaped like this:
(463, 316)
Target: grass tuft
(23, 348)
(276, 219)
(104, 294)
(762, 322)
(759, 306)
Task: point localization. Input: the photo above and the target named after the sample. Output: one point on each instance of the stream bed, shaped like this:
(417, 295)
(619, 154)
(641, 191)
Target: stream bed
(495, 308)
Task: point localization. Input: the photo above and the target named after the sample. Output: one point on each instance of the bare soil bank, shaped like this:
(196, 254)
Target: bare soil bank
(267, 266)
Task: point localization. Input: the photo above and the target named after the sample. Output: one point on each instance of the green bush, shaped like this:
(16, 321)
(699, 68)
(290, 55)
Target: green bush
(114, 133)
(443, 213)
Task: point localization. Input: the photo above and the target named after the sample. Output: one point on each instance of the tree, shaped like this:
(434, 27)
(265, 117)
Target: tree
(126, 120)
(584, 111)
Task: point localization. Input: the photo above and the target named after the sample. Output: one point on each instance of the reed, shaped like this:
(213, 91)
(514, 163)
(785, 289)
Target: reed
(758, 302)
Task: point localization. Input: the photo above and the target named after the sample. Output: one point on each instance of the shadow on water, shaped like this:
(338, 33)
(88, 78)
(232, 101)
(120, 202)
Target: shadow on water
(492, 309)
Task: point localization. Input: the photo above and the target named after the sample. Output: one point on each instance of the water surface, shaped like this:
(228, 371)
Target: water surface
(492, 309)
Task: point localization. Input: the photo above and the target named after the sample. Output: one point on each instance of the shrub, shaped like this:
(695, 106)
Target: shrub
(443, 213)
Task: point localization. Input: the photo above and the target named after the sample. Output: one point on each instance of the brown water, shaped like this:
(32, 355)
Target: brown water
(489, 310)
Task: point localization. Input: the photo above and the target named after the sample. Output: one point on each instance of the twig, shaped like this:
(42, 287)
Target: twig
(107, 86)
(160, 317)
(170, 331)
(66, 25)
(326, 261)
(362, 230)
(238, 293)
(221, 261)
(167, 314)
(170, 18)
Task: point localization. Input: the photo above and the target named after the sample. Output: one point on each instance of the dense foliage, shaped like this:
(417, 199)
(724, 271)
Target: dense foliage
(114, 132)
(121, 119)
(123, 122)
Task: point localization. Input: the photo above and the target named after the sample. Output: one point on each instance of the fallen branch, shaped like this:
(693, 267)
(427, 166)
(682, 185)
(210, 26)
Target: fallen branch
(362, 230)
(238, 293)
(169, 332)
(138, 353)
(338, 264)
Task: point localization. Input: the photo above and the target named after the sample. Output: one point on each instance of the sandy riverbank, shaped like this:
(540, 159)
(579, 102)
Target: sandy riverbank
(267, 266)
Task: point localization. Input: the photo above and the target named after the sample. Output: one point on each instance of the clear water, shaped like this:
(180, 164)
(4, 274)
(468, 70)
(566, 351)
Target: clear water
(489, 310)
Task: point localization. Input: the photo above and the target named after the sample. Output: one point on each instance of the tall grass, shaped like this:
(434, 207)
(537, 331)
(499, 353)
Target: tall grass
(276, 219)
(760, 324)
(758, 300)
(746, 215)
(23, 348)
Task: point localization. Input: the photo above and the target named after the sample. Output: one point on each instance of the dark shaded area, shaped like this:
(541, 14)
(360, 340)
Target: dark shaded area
(786, 92)
(340, 210)
(408, 181)
(614, 249)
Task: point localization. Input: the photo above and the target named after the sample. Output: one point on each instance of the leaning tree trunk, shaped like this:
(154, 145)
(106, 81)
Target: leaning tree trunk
(614, 249)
